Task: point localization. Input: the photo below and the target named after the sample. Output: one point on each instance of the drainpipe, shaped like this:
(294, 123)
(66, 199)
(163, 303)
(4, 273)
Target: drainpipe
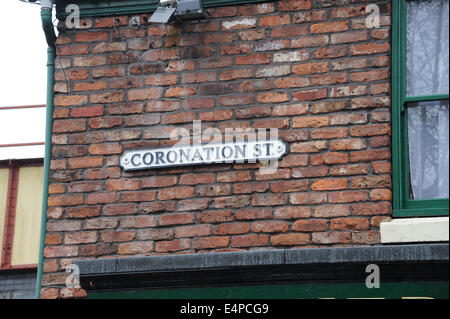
(50, 36)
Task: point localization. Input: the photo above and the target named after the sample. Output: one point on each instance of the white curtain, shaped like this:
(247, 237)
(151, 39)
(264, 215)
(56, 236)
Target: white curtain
(427, 47)
(428, 74)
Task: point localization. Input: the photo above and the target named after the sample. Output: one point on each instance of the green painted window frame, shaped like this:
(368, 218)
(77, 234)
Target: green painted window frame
(403, 206)
(102, 8)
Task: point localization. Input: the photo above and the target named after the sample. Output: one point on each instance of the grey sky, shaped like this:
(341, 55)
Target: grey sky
(23, 55)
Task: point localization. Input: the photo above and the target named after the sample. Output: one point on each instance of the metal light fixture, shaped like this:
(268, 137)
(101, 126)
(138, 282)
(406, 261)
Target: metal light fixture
(180, 10)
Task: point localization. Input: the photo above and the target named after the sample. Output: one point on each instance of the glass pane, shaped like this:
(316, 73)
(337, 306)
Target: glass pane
(428, 138)
(27, 226)
(4, 179)
(427, 47)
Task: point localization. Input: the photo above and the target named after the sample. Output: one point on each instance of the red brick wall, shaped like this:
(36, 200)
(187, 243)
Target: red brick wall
(312, 69)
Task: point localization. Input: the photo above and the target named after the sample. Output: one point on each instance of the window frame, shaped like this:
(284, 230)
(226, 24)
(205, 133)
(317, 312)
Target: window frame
(403, 206)
(6, 248)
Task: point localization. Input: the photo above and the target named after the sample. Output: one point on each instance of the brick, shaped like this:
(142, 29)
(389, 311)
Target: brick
(381, 167)
(293, 82)
(331, 211)
(60, 251)
(184, 117)
(309, 147)
(327, 27)
(256, 9)
(235, 176)
(144, 94)
(309, 42)
(117, 236)
(141, 196)
(53, 239)
(108, 72)
(101, 223)
(370, 237)
(88, 61)
(270, 227)
(310, 225)
(371, 155)
(98, 249)
(290, 239)
(138, 247)
(348, 64)
(368, 76)
(65, 200)
(198, 77)
(70, 100)
(192, 231)
(352, 90)
(269, 199)
(292, 212)
(252, 35)
(241, 23)
(211, 242)
(372, 209)
(329, 184)
(102, 198)
(279, 174)
(254, 213)
(289, 186)
(180, 92)
(236, 74)
(193, 204)
(232, 229)
(252, 112)
(319, 134)
(347, 196)
(349, 223)
(214, 217)
(83, 212)
(173, 245)
(371, 48)
(273, 45)
(249, 188)
(232, 201)
(289, 31)
(349, 37)
(249, 241)
(328, 107)
(308, 198)
(161, 55)
(381, 195)
(81, 187)
(104, 149)
(155, 234)
(330, 52)
(91, 36)
(371, 102)
(253, 59)
(176, 219)
(346, 170)
(122, 184)
(272, 97)
(346, 119)
(244, 48)
(213, 190)
(220, 115)
(331, 238)
(311, 121)
(376, 181)
(331, 78)
(294, 5)
(109, 97)
(310, 68)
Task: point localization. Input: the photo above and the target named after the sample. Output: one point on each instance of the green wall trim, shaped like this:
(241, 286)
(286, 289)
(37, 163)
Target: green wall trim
(437, 290)
(403, 206)
(91, 8)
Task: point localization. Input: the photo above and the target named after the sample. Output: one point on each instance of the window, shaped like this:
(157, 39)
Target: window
(420, 107)
(20, 213)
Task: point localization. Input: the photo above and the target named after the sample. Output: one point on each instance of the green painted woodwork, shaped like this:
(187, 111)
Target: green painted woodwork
(403, 206)
(92, 8)
(437, 290)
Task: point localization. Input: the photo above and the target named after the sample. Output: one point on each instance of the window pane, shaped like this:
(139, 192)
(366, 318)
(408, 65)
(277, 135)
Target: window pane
(4, 179)
(427, 47)
(428, 138)
(28, 216)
